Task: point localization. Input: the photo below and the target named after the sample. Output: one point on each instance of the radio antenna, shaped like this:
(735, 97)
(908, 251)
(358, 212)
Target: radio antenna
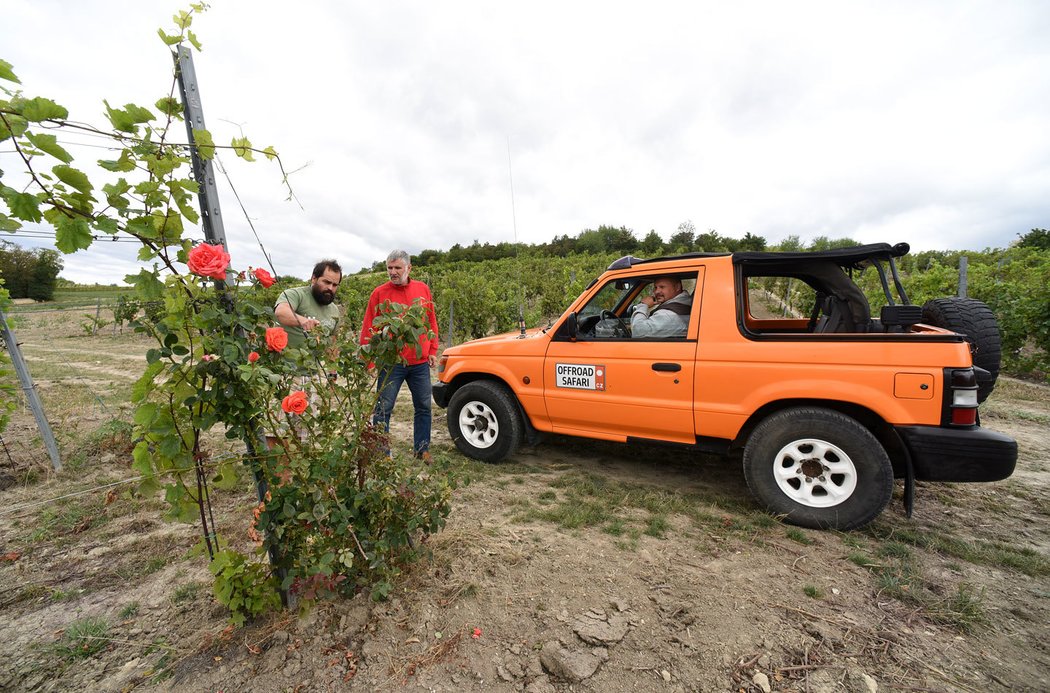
(514, 219)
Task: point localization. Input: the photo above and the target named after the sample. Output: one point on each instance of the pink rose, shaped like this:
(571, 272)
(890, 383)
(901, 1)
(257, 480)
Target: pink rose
(208, 261)
(264, 277)
(253, 357)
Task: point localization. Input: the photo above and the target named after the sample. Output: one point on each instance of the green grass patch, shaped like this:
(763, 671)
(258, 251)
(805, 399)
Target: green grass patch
(813, 592)
(83, 639)
(129, 610)
(185, 593)
(797, 535)
(979, 552)
(657, 526)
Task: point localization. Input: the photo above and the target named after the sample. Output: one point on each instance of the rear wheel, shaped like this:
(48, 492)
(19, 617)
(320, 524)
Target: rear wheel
(484, 421)
(975, 321)
(818, 468)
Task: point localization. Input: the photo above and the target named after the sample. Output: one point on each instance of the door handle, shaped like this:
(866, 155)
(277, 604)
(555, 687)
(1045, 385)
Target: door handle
(667, 367)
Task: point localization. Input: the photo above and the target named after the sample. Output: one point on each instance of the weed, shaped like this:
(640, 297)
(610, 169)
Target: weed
(813, 591)
(796, 534)
(129, 610)
(862, 560)
(185, 593)
(83, 638)
(657, 526)
(895, 549)
(548, 497)
(615, 528)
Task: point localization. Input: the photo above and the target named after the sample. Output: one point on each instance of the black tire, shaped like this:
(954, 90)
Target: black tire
(484, 421)
(788, 458)
(976, 322)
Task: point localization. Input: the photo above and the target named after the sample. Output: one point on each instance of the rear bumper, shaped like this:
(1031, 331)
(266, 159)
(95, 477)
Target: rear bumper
(967, 454)
(440, 391)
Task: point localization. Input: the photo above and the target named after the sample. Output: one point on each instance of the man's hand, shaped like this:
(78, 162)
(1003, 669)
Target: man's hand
(307, 323)
(432, 360)
(649, 301)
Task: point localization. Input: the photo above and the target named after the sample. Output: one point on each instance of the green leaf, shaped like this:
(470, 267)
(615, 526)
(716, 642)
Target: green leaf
(9, 224)
(169, 106)
(226, 479)
(242, 148)
(147, 285)
(39, 109)
(270, 153)
(183, 19)
(7, 73)
(107, 225)
(127, 118)
(24, 206)
(168, 39)
(49, 144)
(205, 144)
(145, 414)
(72, 235)
(72, 177)
(193, 40)
(18, 126)
(122, 165)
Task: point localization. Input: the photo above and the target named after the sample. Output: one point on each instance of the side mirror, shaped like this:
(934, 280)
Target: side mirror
(572, 326)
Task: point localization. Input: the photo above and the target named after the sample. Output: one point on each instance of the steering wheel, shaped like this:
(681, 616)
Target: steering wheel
(623, 328)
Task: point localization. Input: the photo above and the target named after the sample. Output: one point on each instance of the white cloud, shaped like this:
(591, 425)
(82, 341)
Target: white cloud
(878, 121)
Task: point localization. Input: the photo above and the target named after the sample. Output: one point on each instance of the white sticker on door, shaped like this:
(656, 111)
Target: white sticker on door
(579, 376)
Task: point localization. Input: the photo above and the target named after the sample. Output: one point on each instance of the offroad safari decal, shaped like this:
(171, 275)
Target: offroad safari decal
(579, 376)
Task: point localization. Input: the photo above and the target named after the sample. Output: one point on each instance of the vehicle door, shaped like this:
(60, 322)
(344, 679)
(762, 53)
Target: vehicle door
(604, 383)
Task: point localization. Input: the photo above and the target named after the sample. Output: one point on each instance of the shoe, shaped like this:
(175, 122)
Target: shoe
(425, 456)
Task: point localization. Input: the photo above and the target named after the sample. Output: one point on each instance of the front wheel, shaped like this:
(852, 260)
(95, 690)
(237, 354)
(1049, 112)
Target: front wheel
(484, 422)
(818, 468)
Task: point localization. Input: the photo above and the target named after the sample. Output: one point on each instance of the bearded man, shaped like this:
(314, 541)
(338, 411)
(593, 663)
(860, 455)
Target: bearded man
(302, 309)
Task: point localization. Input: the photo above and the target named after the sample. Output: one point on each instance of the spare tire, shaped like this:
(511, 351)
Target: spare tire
(976, 322)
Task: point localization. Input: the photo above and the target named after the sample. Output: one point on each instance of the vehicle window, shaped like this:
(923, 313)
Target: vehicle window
(608, 315)
(769, 298)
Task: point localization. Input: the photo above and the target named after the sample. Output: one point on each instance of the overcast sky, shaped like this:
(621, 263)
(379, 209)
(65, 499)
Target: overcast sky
(927, 122)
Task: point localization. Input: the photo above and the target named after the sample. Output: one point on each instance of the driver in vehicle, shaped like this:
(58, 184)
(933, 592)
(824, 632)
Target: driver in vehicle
(664, 313)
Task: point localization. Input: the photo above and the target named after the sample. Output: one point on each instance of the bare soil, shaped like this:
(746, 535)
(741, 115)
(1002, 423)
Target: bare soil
(681, 585)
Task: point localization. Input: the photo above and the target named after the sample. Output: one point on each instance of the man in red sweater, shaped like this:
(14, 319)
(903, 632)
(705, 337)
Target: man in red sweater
(401, 289)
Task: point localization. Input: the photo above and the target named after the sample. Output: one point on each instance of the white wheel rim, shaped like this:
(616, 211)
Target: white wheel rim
(815, 473)
(477, 423)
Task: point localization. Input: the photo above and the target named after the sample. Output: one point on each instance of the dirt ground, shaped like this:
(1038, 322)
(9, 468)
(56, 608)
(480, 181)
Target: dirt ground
(681, 584)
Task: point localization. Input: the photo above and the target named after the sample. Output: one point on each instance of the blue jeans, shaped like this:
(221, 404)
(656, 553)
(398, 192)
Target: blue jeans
(418, 377)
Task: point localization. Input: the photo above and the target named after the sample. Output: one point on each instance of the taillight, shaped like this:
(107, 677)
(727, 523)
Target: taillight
(961, 396)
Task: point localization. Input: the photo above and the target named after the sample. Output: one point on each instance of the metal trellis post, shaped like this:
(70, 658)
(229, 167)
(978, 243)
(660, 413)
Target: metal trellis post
(31, 394)
(214, 233)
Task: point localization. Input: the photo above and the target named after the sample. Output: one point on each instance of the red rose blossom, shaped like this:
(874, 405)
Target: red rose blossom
(207, 260)
(276, 338)
(253, 357)
(295, 403)
(264, 277)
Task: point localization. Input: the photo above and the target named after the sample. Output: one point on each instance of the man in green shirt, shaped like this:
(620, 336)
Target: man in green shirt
(302, 309)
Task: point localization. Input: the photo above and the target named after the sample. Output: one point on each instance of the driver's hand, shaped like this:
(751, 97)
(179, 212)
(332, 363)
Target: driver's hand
(649, 301)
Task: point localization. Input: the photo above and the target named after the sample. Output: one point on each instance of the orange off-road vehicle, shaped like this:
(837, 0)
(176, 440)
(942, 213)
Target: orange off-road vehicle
(826, 408)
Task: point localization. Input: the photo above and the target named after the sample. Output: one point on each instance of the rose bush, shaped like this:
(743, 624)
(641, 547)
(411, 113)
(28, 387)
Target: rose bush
(335, 514)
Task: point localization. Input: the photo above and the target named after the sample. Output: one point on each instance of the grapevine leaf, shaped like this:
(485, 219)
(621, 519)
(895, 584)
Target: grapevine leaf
(49, 144)
(72, 235)
(205, 144)
(122, 165)
(39, 109)
(72, 177)
(9, 224)
(127, 118)
(193, 40)
(183, 19)
(147, 285)
(22, 205)
(242, 148)
(169, 106)
(168, 39)
(270, 153)
(7, 73)
(106, 225)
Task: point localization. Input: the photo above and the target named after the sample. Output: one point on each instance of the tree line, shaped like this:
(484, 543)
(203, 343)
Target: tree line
(29, 273)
